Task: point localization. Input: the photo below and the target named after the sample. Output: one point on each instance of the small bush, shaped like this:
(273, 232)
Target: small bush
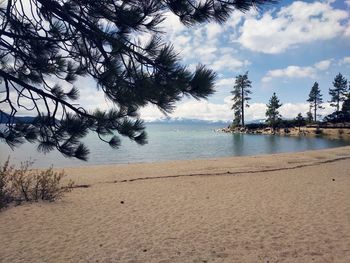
(25, 184)
(254, 126)
(5, 189)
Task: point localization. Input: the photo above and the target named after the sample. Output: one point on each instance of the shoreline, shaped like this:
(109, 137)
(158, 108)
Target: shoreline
(222, 165)
(206, 158)
(285, 207)
(333, 133)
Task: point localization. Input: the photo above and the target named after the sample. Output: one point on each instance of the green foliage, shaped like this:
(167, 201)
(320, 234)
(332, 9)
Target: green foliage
(345, 111)
(300, 120)
(343, 115)
(48, 47)
(338, 93)
(241, 92)
(309, 117)
(315, 99)
(282, 123)
(237, 119)
(25, 184)
(272, 114)
(254, 126)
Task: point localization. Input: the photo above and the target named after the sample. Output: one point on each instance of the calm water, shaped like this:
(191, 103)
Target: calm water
(174, 142)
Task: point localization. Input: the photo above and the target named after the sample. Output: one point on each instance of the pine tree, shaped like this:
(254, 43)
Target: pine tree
(345, 111)
(338, 93)
(237, 119)
(241, 92)
(272, 113)
(45, 48)
(315, 99)
(300, 121)
(309, 117)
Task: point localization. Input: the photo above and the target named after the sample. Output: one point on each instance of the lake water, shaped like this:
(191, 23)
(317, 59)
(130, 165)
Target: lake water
(173, 142)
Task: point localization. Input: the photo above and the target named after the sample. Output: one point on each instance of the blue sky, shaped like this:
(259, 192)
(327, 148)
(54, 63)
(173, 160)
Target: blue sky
(285, 48)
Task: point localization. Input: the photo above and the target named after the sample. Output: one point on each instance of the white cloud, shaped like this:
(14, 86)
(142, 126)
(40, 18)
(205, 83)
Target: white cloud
(256, 111)
(347, 31)
(323, 65)
(183, 40)
(347, 2)
(291, 110)
(290, 72)
(228, 62)
(228, 82)
(237, 17)
(345, 60)
(192, 109)
(298, 23)
(214, 111)
(205, 110)
(204, 43)
(151, 113)
(297, 71)
(172, 24)
(213, 30)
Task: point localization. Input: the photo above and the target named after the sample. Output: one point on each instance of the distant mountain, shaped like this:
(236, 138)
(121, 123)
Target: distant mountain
(256, 121)
(198, 121)
(24, 119)
(187, 121)
(27, 119)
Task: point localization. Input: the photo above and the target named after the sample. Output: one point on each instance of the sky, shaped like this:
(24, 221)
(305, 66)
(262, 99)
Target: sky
(285, 47)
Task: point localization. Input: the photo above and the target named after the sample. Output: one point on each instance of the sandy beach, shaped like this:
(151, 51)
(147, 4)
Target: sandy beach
(291, 207)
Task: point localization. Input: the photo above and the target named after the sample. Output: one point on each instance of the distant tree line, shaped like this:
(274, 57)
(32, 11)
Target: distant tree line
(340, 100)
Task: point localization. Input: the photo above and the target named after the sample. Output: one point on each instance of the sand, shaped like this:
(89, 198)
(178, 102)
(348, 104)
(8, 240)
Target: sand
(274, 208)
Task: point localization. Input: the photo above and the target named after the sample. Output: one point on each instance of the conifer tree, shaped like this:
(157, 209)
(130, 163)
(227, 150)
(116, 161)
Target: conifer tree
(237, 119)
(345, 111)
(241, 92)
(315, 100)
(309, 117)
(300, 121)
(338, 93)
(47, 45)
(272, 114)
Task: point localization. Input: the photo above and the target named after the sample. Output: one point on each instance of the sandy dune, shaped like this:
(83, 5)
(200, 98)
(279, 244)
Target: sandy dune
(274, 208)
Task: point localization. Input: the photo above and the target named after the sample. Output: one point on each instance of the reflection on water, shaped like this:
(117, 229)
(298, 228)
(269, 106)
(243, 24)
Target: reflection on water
(271, 143)
(175, 142)
(238, 144)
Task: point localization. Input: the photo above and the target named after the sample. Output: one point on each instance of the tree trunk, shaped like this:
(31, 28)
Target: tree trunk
(315, 117)
(338, 101)
(242, 107)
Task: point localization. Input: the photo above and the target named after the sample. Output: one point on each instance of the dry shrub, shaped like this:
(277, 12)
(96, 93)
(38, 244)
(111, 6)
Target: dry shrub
(6, 191)
(25, 184)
